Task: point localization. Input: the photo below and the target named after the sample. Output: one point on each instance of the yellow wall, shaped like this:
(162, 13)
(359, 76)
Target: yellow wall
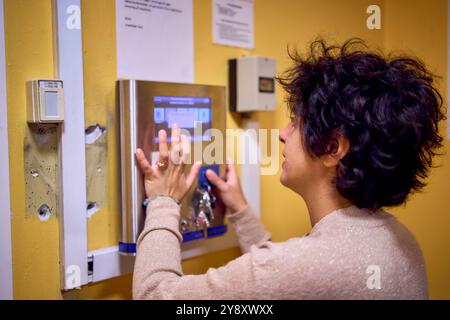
(420, 27)
(277, 24)
(28, 41)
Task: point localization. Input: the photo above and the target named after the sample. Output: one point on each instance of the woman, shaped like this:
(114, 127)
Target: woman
(362, 135)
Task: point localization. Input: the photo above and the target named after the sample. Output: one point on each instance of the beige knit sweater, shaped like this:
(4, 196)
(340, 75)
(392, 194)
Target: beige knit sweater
(349, 254)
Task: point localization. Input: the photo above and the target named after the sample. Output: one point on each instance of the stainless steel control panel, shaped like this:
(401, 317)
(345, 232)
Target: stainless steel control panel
(147, 107)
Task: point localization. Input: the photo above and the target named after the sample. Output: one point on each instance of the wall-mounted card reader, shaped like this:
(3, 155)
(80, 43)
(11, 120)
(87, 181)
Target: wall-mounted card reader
(252, 84)
(45, 101)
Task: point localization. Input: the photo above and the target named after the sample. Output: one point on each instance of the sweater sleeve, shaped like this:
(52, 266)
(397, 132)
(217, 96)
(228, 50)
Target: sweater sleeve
(158, 273)
(249, 229)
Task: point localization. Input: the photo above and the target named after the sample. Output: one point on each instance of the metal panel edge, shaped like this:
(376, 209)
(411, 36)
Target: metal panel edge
(6, 274)
(69, 68)
(108, 263)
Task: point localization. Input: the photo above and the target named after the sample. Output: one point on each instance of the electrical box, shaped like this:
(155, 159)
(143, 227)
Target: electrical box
(45, 101)
(147, 107)
(252, 84)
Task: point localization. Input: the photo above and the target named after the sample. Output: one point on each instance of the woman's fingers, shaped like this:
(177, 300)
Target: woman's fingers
(231, 172)
(181, 153)
(163, 149)
(143, 164)
(175, 145)
(223, 175)
(215, 180)
(175, 135)
(185, 149)
(192, 176)
(176, 154)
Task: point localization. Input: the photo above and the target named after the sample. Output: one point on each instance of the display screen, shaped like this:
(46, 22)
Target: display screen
(51, 103)
(190, 113)
(266, 85)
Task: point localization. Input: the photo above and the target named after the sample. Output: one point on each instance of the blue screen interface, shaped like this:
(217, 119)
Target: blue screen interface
(190, 113)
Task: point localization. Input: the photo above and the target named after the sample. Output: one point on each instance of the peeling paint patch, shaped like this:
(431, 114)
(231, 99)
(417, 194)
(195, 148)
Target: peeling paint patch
(93, 133)
(92, 208)
(96, 165)
(41, 170)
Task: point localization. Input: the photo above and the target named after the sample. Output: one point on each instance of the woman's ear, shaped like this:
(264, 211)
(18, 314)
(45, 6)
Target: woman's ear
(337, 149)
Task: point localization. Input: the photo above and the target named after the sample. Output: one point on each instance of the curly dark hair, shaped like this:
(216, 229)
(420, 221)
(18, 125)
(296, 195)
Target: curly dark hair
(387, 107)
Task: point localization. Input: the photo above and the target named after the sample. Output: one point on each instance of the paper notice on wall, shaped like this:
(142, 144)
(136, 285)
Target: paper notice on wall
(155, 40)
(233, 23)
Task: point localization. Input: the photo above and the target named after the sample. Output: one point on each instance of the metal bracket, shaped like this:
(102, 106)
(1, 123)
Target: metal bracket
(69, 68)
(108, 263)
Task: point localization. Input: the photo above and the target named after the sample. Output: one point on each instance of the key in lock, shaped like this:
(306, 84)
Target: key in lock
(203, 203)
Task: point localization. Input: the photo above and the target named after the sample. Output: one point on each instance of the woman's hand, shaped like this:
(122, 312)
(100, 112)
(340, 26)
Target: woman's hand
(229, 188)
(166, 177)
